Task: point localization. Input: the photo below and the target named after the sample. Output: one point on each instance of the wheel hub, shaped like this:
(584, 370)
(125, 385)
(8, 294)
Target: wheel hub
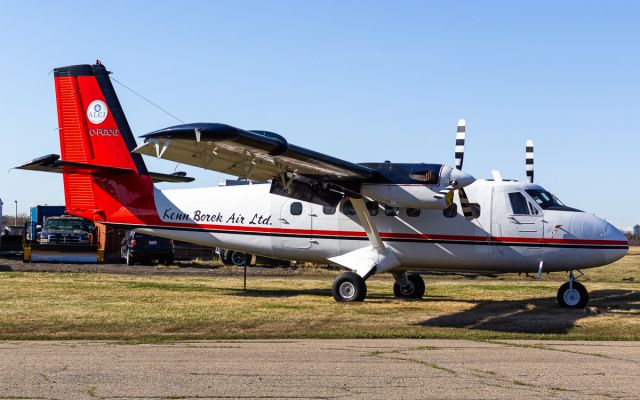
(347, 290)
(571, 297)
(407, 289)
(238, 259)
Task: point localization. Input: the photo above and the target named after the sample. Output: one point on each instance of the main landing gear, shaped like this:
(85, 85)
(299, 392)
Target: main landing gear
(350, 287)
(572, 294)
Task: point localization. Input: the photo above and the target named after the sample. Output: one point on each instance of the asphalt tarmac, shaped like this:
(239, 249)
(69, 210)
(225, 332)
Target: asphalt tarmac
(320, 369)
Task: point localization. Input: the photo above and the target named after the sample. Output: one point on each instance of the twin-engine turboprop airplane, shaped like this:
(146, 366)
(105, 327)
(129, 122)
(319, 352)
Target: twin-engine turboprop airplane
(369, 218)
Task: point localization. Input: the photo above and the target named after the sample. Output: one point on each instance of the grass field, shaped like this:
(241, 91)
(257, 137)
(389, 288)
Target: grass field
(155, 308)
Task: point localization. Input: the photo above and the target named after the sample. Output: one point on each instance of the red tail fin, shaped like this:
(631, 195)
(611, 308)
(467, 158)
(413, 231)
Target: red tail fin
(94, 130)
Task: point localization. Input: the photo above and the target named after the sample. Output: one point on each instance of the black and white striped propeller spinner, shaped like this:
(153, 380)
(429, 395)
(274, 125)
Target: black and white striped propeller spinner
(459, 155)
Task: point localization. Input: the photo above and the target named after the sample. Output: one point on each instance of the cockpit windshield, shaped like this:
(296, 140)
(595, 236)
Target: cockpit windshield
(545, 199)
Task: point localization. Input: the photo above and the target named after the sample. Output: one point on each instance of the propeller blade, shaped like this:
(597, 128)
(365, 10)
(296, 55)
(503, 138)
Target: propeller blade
(460, 136)
(529, 160)
(444, 192)
(464, 203)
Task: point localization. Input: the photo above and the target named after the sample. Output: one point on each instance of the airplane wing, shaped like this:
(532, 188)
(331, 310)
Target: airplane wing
(250, 154)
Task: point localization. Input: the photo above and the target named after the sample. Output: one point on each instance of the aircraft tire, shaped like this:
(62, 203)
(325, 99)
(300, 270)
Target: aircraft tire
(226, 257)
(415, 291)
(349, 287)
(239, 259)
(168, 261)
(578, 297)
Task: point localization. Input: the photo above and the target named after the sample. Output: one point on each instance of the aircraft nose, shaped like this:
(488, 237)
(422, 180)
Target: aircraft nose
(618, 241)
(462, 178)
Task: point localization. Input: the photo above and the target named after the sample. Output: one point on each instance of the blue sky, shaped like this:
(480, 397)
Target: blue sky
(360, 80)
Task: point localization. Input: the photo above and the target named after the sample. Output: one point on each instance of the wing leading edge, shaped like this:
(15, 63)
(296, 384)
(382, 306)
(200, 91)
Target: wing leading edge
(250, 154)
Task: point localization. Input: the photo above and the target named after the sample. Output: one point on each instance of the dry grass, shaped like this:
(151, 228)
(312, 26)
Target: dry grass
(151, 308)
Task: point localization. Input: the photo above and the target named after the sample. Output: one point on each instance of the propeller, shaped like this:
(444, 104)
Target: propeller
(458, 178)
(529, 160)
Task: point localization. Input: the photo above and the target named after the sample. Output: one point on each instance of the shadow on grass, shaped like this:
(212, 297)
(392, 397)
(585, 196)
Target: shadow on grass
(5, 268)
(540, 315)
(278, 292)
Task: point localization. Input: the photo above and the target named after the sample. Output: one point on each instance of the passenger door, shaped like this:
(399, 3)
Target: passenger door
(295, 221)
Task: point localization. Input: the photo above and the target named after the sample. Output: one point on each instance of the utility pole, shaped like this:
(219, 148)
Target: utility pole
(15, 221)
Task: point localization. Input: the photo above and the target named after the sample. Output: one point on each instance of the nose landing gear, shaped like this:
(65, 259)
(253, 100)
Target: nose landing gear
(572, 294)
(408, 286)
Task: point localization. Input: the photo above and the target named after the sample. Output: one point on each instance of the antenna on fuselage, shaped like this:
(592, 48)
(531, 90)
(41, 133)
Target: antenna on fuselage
(529, 160)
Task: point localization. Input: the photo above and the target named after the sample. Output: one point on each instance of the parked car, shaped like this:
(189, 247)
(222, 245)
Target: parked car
(137, 247)
(66, 229)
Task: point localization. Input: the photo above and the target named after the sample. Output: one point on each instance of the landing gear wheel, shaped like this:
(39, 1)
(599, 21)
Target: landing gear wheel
(576, 297)
(129, 259)
(349, 287)
(239, 259)
(414, 290)
(226, 258)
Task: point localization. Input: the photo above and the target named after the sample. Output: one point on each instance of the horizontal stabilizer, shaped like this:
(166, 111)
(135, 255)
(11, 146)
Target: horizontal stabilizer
(52, 163)
(176, 177)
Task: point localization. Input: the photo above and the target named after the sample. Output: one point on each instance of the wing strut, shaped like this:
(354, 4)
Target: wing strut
(367, 223)
(372, 259)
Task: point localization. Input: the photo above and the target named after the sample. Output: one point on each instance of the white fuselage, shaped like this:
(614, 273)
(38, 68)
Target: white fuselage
(248, 218)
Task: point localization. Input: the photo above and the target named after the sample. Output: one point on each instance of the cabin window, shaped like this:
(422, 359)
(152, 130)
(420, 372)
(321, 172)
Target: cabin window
(391, 211)
(373, 207)
(520, 205)
(326, 210)
(347, 208)
(413, 212)
(295, 208)
(451, 211)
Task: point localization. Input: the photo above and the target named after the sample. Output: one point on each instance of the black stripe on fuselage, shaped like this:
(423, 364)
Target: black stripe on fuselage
(364, 238)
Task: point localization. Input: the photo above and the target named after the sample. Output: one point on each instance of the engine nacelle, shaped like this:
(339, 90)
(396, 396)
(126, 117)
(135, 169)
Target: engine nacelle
(416, 185)
(399, 195)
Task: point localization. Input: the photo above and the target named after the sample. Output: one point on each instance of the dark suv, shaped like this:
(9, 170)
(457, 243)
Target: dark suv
(66, 230)
(137, 247)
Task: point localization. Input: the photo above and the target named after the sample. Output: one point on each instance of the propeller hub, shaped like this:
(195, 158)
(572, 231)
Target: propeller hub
(461, 178)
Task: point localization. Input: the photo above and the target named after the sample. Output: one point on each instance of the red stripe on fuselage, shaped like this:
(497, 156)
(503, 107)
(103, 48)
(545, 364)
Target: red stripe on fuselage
(394, 235)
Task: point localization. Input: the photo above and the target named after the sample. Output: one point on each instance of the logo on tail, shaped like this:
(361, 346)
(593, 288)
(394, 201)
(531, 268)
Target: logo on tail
(97, 112)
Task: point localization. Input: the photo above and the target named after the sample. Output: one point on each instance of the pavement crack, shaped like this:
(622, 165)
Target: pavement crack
(544, 347)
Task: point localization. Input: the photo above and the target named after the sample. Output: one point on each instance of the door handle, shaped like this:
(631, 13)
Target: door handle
(313, 241)
(313, 215)
(284, 221)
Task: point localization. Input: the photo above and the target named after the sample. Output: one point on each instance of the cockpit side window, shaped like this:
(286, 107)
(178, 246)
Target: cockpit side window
(519, 204)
